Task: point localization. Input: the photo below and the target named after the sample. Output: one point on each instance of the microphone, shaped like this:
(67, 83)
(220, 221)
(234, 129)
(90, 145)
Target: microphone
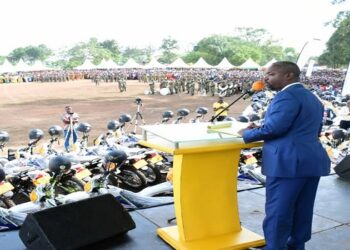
(256, 87)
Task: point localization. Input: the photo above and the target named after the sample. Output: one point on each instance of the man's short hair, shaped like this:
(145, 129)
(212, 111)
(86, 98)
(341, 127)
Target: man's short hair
(288, 67)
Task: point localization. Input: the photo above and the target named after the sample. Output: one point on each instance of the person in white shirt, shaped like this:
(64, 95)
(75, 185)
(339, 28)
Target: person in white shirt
(70, 120)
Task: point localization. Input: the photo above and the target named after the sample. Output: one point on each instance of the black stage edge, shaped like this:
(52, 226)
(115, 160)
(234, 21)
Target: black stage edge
(144, 236)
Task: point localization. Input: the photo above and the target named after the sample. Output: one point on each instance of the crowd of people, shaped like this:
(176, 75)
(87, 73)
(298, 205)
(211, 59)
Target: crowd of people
(191, 81)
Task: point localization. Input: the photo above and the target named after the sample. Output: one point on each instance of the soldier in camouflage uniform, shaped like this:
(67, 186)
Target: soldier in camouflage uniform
(171, 87)
(183, 84)
(163, 83)
(203, 86)
(177, 86)
(191, 87)
(121, 84)
(151, 87)
(110, 76)
(211, 87)
(97, 79)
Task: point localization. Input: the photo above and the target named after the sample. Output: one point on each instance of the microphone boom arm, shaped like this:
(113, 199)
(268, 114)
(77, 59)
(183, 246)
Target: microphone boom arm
(217, 115)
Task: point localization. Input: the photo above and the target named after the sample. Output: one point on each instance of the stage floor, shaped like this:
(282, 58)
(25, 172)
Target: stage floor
(331, 226)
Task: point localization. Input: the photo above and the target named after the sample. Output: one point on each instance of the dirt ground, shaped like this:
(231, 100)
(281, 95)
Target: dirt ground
(40, 105)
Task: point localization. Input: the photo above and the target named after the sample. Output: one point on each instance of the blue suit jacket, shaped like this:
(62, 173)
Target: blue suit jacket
(290, 132)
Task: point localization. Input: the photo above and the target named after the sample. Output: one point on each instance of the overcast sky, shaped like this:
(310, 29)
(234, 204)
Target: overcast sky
(140, 23)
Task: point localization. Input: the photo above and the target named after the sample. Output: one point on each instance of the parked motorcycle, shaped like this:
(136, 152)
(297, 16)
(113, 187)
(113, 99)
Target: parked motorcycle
(5, 191)
(201, 112)
(181, 114)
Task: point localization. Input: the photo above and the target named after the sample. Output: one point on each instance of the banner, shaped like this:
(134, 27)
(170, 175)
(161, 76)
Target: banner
(346, 85)
(310, 68)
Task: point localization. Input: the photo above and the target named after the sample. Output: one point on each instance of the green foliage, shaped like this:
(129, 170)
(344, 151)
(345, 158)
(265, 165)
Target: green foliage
(192, 57)
(169, 44)
(248, 43)
(337, 53)
(251, 35)
(341, 16)
(168, 47)
(30, 54)
(245, 43)
(2, 59)
(92, 50)
(113, 47)
(16, 55)
(167, 57)
(140, 56)
(289, 54)
(338, 1)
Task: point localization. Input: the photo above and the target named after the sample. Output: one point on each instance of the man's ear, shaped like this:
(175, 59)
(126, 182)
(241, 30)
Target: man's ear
(290, 76)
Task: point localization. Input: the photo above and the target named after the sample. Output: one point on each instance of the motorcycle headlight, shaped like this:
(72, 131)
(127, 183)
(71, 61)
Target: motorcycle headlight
(33, 196)
(88, 187)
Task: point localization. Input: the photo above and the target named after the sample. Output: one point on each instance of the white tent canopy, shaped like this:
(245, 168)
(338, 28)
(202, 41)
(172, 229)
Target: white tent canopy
(22, 66)
(7, 67)
(38, 65)
(86, 65)
(178, 63)
(249, 64)
(154, 64)
(110, 64)
(268, 64)
(131, 64)
(201, 64)
(224, 64)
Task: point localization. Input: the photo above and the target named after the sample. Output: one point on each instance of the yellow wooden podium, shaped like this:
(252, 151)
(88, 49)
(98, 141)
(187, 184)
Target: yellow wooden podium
(205, 187)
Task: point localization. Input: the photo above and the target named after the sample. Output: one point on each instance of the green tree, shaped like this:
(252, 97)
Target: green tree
(91, 50)
(337, 53)
(289, 54)
(338, 43)
(251, 35)
(113, 47)
(249, 43)
(36, 53)
(16, 55)
(30, 54)
(338, 1)
(95, 52)
(75, 56)
(141, 56)
(168, 47)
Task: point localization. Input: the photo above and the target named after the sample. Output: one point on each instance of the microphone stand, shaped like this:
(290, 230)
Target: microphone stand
(217, 115)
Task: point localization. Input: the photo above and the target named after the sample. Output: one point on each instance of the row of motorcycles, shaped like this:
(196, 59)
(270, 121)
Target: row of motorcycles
(37, 177)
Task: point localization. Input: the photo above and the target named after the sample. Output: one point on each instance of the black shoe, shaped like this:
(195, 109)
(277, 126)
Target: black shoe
(293, 248)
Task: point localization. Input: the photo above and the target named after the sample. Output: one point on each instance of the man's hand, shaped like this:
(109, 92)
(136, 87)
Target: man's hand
(250, 126)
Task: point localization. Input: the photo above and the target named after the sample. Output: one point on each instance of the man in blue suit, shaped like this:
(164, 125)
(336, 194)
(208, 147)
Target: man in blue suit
(293, 158)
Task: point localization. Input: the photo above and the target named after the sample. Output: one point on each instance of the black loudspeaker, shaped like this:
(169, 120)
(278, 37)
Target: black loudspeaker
(343, 168)
(77, 224)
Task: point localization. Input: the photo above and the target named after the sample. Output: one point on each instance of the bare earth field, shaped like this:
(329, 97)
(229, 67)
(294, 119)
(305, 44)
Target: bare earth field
(40, 105)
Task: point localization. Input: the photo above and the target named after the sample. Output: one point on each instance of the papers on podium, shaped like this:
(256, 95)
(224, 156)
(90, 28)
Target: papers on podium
(228, 128)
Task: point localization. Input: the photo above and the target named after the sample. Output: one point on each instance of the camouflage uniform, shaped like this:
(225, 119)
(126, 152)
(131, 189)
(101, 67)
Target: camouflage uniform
(151, 87)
